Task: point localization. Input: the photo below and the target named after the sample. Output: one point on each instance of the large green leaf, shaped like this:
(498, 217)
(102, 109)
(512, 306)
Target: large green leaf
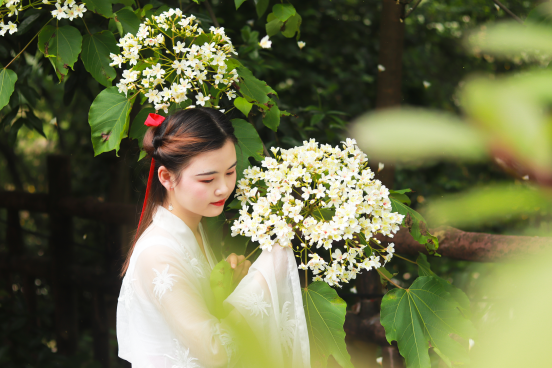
(425, 313)
(109, 119)
(95, 56)
(62, 45)
(252, 87)
(416, 224)
(7, 82)
(283, 11)
(128, 20)
(103, 7)
(292, 26)
(249, 145)
(424, 269)
(272, 117)
(138, 129)
(261, 6)
(325, 313)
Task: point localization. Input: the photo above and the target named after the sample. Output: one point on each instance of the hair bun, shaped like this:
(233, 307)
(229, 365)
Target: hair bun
(157, 141)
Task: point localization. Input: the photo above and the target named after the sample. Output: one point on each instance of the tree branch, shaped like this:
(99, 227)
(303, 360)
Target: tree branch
(212, 13)
(412, 9)
(501, 6)
(468, 246)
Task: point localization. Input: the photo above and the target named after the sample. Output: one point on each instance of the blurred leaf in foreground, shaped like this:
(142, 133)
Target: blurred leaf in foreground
(485, 204)
(414, 135)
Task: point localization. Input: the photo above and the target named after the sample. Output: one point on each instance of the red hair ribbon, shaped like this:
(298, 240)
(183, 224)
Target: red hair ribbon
(153, 120)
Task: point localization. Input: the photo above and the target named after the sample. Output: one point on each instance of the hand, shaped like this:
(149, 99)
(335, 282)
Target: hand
(240, 266)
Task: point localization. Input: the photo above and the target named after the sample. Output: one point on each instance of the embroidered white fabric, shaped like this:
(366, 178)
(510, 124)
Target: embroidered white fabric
(164, 317)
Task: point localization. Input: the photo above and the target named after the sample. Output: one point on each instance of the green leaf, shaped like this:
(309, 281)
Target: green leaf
(292, 26)
(261, 6)
(138, 128)
(272, 117)
(14, 129)
(388, 274)
(492, 203)
(242, 105)
(323, 214)
(128, 20)
(103, 7)
(252, 87)
(273, 27)
(238, 3)
(7, 83)
(249, 145)
(424, 269)
(509, 39)
(316, 118)
(221, 285)
(415, 135)
(325, 314)
(109, 119)
(400, 191)
(34, 123)
(425, 313)
(62, 45)
(95, 56)
(416, 224)
(400, 197)
(283, 11)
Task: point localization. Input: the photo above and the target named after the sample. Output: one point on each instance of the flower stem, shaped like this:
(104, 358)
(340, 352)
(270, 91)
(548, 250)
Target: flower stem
(388, 279)
(24, 48)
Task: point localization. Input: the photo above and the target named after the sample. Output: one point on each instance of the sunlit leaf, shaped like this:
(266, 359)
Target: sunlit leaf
(238, 3)
(252, 87)
(128, 20)
(414, 135)
(272, 117)
(513, 110)
(325, 313)
(109, 120)
(292, 26)
(242, 105)
(491, 203)
(7, 83)
(138, 129)
(103, 7)
(425, 313)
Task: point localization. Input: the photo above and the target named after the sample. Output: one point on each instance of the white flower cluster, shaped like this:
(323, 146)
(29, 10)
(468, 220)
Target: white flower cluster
(188, 68)
(70, 10)
(322, 195)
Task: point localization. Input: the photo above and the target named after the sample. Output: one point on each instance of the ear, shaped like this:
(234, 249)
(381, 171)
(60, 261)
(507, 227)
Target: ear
(165, 177)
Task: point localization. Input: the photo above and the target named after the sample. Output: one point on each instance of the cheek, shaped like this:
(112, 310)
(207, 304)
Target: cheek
(194, 191)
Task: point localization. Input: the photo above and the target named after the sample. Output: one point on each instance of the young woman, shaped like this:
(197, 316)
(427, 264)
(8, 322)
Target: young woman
(165, 310)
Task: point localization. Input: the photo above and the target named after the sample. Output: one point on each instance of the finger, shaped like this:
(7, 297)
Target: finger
(233, 260)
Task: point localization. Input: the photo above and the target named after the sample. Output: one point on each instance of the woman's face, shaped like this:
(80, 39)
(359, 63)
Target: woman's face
(210, 178)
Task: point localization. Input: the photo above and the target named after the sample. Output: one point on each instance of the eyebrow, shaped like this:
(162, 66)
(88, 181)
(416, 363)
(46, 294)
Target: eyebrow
(216, 172)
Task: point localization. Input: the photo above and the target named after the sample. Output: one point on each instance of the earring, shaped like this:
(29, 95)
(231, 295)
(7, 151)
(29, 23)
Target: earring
(170, 207)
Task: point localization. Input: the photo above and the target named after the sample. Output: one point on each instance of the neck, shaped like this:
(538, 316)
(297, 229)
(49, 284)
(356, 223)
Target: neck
(190, 219)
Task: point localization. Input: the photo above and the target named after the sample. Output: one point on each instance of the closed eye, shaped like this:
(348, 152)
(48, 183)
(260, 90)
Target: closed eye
(208, 181)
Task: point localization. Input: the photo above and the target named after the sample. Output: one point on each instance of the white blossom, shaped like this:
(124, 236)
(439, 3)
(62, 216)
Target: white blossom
(265, 42)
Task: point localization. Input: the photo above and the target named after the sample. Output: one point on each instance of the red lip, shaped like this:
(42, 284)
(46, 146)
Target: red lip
(219, 203)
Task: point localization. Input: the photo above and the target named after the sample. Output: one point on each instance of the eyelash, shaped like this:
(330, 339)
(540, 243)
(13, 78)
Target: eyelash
(208, 181)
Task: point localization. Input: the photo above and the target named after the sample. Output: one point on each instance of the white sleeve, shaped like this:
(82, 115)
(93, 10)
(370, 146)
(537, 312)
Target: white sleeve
(269, 300)
(167, 280)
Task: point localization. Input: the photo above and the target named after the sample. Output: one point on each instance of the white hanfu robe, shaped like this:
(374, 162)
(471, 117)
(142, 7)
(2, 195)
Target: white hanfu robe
(164, 317)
